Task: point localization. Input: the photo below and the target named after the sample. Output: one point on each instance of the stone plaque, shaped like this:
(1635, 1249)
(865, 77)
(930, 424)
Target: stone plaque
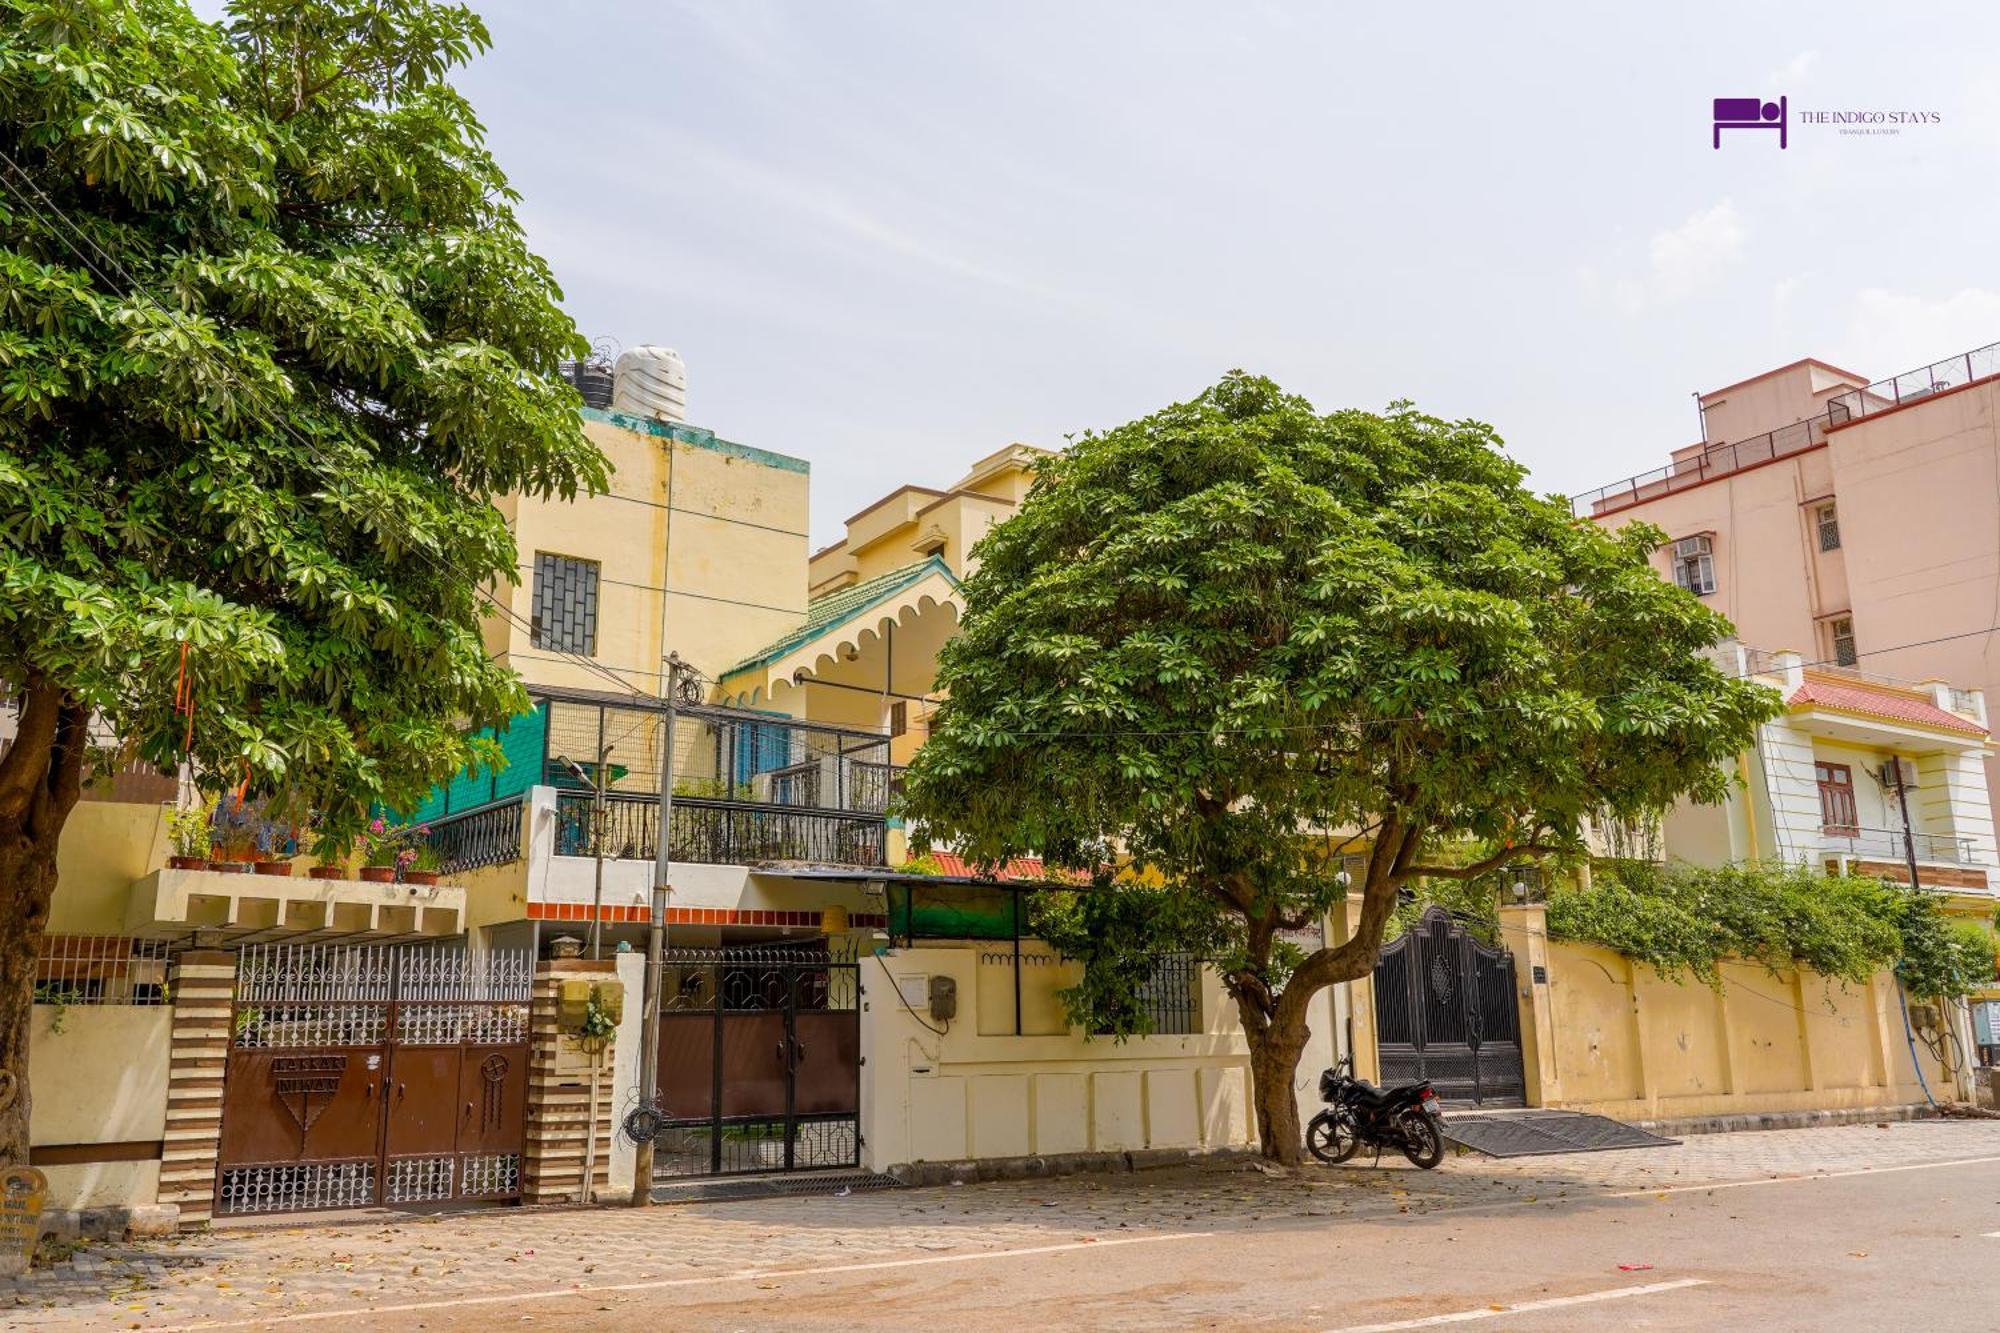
(22, 1192)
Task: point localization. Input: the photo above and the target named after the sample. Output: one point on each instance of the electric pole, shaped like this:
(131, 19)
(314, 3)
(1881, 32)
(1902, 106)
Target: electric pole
(683, 685)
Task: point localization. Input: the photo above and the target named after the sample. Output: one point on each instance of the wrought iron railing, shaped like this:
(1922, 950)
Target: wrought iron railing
(488, 836)
(1894, 844)
(720, 832)
(101, 969)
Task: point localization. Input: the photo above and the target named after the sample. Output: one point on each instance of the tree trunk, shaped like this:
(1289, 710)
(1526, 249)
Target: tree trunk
(1274, 1063)
(41, 776)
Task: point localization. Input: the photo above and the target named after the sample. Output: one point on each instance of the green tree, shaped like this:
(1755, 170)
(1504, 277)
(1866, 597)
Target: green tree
(1237, 637)
(271, 340)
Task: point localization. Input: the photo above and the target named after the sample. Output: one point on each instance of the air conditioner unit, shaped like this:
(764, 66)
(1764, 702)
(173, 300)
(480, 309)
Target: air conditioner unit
(1898, 774)
(1688, 547)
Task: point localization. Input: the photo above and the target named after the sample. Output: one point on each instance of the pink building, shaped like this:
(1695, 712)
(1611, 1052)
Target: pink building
(1856, 524)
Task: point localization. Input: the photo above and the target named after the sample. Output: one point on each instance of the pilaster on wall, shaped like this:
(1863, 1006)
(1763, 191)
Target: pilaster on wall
(1524, 930)
(560, 1075)
(1341, 922)
(204, 983)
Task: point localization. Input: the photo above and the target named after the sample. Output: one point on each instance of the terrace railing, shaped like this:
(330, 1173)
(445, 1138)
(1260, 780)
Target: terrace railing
(720, 832)
(1892, 845)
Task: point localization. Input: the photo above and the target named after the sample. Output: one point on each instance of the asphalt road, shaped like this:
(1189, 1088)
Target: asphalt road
(1892, 1248)
(1889, 1227)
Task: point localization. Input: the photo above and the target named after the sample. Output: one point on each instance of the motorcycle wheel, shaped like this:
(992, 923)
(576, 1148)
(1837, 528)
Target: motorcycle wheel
(1423, 1144)
(1331, 1138)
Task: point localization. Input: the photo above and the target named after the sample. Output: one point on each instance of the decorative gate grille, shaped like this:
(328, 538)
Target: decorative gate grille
(363, 1075)
(760, 1062)
(1445, 1011)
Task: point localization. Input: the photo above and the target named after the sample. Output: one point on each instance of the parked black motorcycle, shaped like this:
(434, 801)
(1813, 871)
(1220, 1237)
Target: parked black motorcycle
(1357, 1112)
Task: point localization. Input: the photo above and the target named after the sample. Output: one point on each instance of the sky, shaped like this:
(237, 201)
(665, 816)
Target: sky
(891, 238)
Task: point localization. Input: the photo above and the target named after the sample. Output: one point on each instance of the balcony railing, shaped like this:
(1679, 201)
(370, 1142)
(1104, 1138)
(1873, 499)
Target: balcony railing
(720, 832)
(1723, 459)
(1893, 845)
(488, 836)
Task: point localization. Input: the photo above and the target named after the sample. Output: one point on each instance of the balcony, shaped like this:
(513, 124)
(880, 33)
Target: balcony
(721, 832)
(1872, 844)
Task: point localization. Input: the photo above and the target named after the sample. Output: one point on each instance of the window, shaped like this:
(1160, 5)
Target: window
(899, 717)
(565, 607)
(1169, 999)
(1694, 564)
(1836, 798)
(1840, 634)
(1829, 528)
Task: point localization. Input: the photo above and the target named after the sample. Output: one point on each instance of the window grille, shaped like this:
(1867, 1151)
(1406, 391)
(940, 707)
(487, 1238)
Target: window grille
(1171, 997)
(1829, 528)
(101, 969)
(1694, 564)
(565, 607)
(1842, 633)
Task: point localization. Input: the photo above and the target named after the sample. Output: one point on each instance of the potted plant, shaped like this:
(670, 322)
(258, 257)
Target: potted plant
(188, 832)
(276, 845)
(420, 861)
(234, 838)
(379, 850)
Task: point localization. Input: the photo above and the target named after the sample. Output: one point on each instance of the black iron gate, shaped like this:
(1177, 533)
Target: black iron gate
(1445, 1010)
(760, 1062)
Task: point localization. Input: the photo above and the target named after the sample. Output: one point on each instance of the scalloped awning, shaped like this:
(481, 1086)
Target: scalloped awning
(836, 624)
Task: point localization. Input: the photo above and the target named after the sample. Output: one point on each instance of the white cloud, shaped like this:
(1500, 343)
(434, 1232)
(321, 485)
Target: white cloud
(1792, 73)
(1891, 332)
(1682, 260)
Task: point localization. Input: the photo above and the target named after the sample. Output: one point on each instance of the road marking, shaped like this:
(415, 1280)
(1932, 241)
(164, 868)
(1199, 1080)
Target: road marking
(1524, 1307)
(658, 1284)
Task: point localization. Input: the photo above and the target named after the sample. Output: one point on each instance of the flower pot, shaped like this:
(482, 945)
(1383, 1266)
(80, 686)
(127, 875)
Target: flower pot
(379, 874)
(327, 872)
(420, 877)
(187, 863)
(230, 867)
(273, 867)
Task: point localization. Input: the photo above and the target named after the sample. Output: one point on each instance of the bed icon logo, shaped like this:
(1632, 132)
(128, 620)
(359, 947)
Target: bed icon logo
(1750, 113)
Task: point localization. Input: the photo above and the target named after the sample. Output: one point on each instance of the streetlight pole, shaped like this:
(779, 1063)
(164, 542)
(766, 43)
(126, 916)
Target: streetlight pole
(679, 680)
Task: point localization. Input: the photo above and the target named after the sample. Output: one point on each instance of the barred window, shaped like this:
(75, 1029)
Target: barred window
(565, 610)
(1829, 528)
(1171, 996)
(1841, 632)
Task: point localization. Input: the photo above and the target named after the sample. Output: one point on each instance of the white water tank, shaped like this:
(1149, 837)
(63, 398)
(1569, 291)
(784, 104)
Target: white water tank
(651, 382)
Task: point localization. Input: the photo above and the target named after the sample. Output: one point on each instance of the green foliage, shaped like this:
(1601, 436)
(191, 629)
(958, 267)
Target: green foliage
(189, 830)
(1117, 936)
(1475, 902)
(1942, 957)
(1237, 619)
(599, 1027)
(1685, 921)
(271, 341)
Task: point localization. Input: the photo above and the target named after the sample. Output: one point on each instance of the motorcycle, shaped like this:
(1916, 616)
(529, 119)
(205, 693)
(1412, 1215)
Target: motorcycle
(1404, 1118)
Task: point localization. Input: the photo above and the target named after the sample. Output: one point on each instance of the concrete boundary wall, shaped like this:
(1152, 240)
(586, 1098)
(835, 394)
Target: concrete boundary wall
(966, 1088)
(99, 1080)
(1603, 1033)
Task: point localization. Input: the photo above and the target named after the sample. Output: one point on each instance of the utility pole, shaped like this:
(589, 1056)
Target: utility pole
(680, 681)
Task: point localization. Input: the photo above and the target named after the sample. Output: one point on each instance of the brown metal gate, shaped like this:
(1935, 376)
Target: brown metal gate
(760, 1062)
(366, 1075)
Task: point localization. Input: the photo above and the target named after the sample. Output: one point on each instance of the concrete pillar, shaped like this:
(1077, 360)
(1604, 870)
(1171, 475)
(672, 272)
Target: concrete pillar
(1524, 930)
(204, 985)
(560, 1075)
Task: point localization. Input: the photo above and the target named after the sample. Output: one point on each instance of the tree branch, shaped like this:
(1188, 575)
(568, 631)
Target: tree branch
(1505, 856)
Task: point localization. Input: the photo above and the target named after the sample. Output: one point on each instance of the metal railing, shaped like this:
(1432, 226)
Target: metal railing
(1720, 460)
(1914, 385)
(488, 836)
(720, 832)
(101, 969)
(1893, 844)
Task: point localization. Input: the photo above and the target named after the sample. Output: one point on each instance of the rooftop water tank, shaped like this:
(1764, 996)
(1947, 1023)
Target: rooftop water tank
(651, 382)
(591, 379)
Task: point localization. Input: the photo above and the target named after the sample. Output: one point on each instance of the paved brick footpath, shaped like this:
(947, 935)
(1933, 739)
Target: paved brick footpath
(244, 1275)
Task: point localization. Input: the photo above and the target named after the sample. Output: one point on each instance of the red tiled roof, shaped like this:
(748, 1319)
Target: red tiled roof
(1021, 867)
(1889, 705)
